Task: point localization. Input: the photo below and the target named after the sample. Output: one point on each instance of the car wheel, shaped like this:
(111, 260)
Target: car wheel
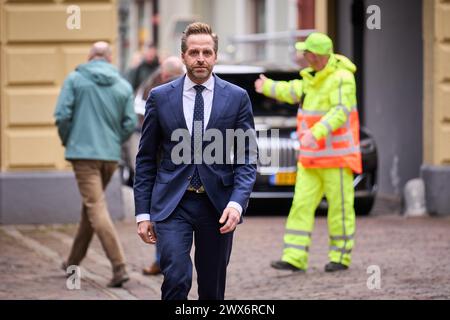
(363, 206)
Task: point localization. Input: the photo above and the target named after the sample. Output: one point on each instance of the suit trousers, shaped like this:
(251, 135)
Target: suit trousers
(92, 177)
(194, 219)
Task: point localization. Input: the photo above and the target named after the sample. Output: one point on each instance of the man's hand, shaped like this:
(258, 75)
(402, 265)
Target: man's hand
(146, 232)
(307, 140)
(231, 216)
(259, 83)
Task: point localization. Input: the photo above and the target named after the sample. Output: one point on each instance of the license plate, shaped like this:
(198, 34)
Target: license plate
(283, 179)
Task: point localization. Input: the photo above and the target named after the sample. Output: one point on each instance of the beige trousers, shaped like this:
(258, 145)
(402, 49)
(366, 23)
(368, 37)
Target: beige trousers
(92, 177)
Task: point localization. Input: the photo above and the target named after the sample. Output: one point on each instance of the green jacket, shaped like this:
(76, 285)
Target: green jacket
(331, 91)
(95, 112)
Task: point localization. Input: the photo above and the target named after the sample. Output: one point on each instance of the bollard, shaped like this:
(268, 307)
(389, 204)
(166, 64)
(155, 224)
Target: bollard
(414, 197)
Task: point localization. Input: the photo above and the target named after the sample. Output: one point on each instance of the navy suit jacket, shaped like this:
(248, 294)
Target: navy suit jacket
(159, 183)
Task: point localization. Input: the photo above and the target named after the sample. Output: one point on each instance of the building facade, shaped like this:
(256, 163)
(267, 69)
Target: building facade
(40, 43)
(436, 105)
(403, 89)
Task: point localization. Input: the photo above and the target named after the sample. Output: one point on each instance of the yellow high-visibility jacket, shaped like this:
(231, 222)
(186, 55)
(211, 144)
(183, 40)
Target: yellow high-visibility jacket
(328, 108)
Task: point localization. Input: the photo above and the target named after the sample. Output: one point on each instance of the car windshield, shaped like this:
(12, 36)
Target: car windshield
(263, 106)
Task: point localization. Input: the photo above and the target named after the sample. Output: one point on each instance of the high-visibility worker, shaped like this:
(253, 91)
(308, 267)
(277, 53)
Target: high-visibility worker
(328, 129)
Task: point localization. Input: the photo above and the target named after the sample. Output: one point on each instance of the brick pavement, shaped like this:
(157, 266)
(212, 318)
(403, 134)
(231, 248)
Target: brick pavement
(413, 255)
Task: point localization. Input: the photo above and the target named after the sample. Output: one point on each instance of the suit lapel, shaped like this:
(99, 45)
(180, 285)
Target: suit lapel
(176, 102)
(219, 103)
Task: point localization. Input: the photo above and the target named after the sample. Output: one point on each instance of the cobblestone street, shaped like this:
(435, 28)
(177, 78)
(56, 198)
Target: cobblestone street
(412, 254)
(186, 111)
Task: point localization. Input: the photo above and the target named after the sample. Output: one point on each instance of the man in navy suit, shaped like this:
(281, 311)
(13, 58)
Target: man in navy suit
(178, 202)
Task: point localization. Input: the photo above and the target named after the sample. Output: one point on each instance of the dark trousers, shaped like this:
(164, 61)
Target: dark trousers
(196, 219)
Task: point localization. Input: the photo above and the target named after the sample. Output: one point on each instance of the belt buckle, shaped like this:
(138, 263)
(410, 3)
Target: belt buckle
(198, 191)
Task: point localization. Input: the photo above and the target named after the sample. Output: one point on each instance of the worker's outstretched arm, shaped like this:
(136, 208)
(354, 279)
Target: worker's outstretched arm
(286, 91)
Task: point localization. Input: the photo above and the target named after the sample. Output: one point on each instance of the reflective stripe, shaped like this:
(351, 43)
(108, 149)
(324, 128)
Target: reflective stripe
(312, 112)
(299, 233)
(328, 143)
(347, 124)
(351, 237)
(329, 153)
(294, 246)
(327, 125)
(293, 95)
(352, 139)
(321, 113)
(348, 136)
(273, 91)
(342, 138)
(343, 108)
(344, 231)
(343, 251)
(304, 126)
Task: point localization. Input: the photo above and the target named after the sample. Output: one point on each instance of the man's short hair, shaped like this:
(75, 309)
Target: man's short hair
(198, 28)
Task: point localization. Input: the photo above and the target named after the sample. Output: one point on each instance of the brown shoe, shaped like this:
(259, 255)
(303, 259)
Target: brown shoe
(153, 270)
(64, 266)
(120, 276)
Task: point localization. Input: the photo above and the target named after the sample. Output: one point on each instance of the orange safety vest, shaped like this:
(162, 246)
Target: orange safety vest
(339, 149)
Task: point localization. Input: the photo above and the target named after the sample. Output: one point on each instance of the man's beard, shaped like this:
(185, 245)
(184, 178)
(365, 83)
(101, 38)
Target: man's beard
(200, 74)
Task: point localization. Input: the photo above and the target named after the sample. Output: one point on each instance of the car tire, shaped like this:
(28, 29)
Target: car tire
(363, 206)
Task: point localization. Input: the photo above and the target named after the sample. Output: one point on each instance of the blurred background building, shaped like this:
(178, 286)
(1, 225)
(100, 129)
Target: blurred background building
(162, 23)
(403, 80)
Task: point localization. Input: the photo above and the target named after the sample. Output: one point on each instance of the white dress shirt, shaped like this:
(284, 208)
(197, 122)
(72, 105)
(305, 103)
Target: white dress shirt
(188, 111)
(189, 94)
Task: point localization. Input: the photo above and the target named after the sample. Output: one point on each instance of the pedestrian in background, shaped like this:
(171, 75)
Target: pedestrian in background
(143, 66)
(149, 64)
(171, 68)
(94, 116)
(328, 129)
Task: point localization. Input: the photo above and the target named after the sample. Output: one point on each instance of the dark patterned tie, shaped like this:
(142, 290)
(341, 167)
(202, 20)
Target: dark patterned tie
(197, 132)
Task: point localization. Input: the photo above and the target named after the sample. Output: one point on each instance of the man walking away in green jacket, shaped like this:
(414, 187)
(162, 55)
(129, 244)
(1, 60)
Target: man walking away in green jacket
(94, 116)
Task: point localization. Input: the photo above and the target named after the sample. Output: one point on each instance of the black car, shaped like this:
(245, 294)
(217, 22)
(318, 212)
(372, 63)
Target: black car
(274, 192)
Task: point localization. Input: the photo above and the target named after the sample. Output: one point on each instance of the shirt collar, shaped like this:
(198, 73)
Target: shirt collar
(208, 84)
